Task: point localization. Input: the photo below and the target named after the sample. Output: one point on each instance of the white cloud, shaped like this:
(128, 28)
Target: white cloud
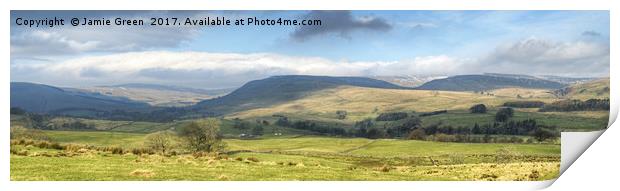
(210, 70)
(219, 69)
(538, 56)
(49, 42)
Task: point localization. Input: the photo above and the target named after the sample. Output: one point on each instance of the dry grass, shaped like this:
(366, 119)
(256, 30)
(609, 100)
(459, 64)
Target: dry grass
(142, 173)
(594, 89)
(526, 93)
(361, 103)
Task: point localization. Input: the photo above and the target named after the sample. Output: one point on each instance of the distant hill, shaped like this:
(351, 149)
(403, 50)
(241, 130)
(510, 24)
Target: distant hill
(566, 80)
(280, 89)
(166, 88)
(158, 95)
(488, 82)
(559, 79)
(39, 98)
(407, 80)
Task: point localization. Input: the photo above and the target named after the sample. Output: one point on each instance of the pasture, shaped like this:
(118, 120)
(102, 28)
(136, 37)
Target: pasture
(288, 158)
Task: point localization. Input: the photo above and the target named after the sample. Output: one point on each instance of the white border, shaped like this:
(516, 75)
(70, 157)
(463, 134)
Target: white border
(596, 168)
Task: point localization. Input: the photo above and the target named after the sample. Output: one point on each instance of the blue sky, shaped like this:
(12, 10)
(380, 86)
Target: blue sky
(349, 43)
(414, 33)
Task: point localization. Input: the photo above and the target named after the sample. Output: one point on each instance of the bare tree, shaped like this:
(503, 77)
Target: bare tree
(161, 140)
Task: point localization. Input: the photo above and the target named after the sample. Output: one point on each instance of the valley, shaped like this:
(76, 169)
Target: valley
(482, 127)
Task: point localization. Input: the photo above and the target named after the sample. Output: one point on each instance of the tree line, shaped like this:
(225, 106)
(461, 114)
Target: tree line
(404, 125)
(577, 105)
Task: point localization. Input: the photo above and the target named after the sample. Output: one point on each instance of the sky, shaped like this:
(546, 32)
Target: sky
(347, 43)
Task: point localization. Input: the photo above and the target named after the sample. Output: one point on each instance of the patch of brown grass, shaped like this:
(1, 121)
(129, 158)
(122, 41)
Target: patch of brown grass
(142, 173)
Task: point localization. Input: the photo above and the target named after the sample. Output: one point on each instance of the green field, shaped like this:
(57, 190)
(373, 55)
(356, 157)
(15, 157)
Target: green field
(565, 121)
(289, 158)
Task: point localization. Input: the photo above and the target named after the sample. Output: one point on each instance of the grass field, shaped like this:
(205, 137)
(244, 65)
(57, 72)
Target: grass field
(565, 121)
(358, 146)
(290, 158)
(120, 127)
(100, 166)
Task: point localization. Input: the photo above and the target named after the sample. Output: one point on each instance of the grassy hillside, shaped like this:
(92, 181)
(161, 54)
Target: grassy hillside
(361, 103)
(40, 98)
(282, 89)
(526, 93)
(488, 82)
(593, 89)
(155, 97)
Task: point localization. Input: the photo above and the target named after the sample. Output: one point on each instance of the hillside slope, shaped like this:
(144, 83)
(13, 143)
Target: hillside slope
(40, 98)
(361, 103)
(592, 89)
(487, 82)
(158, 95)
(281, 89)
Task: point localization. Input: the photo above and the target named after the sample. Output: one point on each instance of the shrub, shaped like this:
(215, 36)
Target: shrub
(374, 133)
(19, 132)
(479, 108)
(433, 113)
(73, 147)
(542, 134)
(516, 140)
(417, 134)
(159, 141)
(504, 114)
(43, 144)
(253, 159)
(394, 116)
(203, 135)
(385, 168)
(488, 176)
(341, 114)
(199, 154)
(13, 150)
(22, 153)
(505, 155)
(138, 151)
(117, 150)
(445, 138)
(524, 104)
(534, 175)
